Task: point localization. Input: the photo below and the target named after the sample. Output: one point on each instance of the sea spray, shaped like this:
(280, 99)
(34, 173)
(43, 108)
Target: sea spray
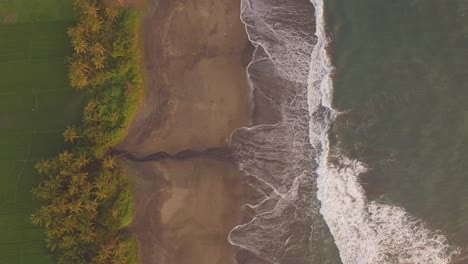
(364, 231)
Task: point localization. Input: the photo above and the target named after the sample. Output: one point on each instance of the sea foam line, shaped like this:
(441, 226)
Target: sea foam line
(365, 232)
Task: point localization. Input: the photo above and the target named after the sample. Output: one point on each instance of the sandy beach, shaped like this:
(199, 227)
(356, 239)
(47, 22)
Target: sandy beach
(197, 95)
(185, 210)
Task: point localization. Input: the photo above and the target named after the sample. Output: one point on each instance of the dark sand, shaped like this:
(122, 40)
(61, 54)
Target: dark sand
(196, 52)
(185, 210)
(195, 57)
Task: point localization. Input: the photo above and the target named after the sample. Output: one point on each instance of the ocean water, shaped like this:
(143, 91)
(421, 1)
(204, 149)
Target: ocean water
(400, 86)
(357, 148)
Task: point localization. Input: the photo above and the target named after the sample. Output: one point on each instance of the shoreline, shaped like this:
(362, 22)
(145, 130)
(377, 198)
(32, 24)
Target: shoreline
(195, 56)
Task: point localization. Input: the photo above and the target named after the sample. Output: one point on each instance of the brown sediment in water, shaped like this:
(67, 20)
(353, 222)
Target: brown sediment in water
(197, 94)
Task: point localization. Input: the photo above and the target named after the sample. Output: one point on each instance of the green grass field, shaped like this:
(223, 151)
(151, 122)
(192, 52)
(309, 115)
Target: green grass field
(36, 104)
(36, 10)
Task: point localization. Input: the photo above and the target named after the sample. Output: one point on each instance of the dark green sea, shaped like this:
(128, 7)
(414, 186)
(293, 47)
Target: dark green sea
(400, 85)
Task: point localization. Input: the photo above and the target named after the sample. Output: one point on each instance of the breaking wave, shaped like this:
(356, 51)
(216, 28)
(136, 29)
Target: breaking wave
(302, 208)
(364, 231)
(282, 222)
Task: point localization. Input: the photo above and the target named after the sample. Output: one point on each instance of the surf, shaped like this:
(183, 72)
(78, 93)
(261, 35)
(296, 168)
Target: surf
(282, 223)
(364, 231)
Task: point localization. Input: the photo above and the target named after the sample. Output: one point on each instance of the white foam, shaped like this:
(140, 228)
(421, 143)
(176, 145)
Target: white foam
(364, 232)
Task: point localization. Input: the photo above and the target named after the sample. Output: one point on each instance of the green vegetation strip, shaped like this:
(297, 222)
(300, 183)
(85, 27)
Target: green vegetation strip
(87, 199)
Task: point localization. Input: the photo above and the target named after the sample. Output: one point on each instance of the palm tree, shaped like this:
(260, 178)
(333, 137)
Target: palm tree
(106, 252)
(43, 166)
(97, 48)
(79, 73)
(75, 207)
(70, 134)
(119, 253)
(98, 61)
(90, 9)
(109, 162)
(101, 192)
(111, 13)
(92, 112)
(65, 157)
(37, 219)
(79, 66)
(75, 32)
(115, 213)
(79, 45)
(68, 242)
(80, 179)
(96, 25)
(82, 161)
(78, 80)
(73, 189)
(91, 206)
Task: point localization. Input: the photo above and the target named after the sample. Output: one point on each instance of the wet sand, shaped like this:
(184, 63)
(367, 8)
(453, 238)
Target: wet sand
(195, 52)
(195, 57)
(185, 210)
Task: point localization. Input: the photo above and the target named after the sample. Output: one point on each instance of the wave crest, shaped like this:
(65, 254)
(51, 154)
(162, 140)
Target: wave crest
(365, 232)
(373, 232)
